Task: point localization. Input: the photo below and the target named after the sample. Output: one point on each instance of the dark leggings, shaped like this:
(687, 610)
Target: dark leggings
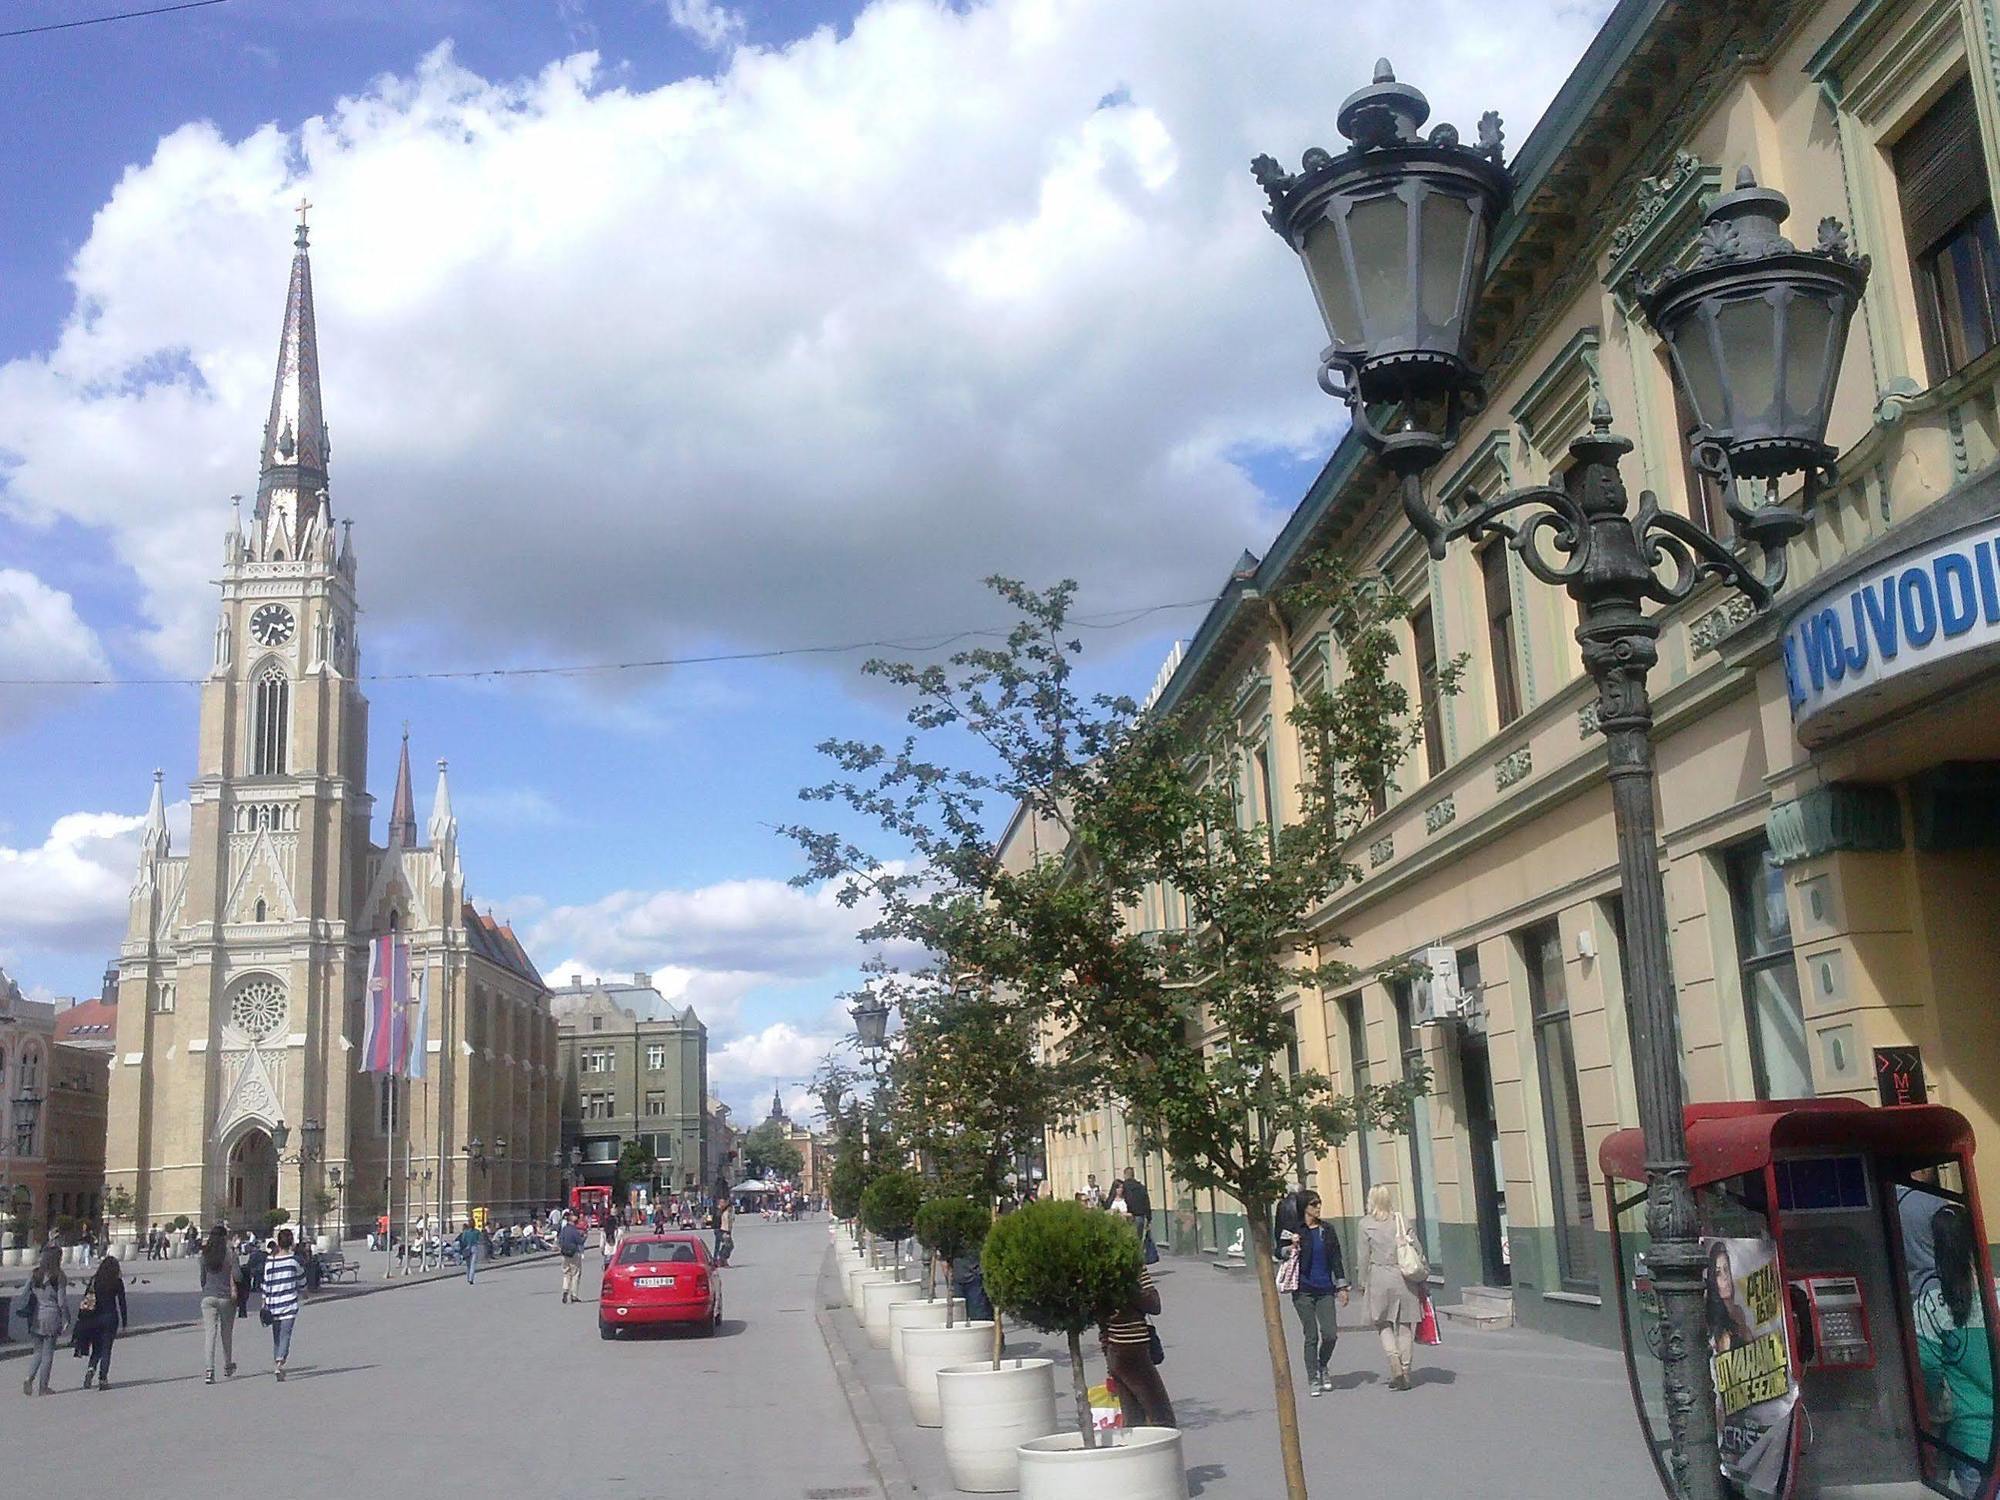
(1319, 1316)
(100, 1356)
(1141, 1392)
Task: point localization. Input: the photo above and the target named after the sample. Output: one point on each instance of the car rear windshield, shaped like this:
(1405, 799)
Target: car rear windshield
(656, 1253)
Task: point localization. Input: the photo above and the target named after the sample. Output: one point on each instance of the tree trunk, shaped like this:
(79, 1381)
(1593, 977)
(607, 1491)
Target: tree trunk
(1281, 1357)
(930, 1277)
(1080, 1388)
(999, 1337)
(950, 1292)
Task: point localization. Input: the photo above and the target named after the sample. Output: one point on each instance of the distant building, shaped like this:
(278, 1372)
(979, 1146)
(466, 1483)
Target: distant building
(632, 1066)
(52, 1113)
(723, 1139)
(813, 1162)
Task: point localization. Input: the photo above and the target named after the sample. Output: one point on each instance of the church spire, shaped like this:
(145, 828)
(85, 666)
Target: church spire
(153, 836)
(403, 813)
(293, 466)
(443, 826)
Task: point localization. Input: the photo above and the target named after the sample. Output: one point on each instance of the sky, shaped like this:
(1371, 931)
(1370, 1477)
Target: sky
(649, 329)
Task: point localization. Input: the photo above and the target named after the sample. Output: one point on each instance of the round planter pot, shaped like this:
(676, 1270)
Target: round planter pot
(127, 1249)
(1139, 1463)
(989, 1413)
(877, 1298)
(928, 1350)
(859, 1278)
(904, 1316)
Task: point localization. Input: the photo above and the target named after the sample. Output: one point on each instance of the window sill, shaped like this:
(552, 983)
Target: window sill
(1574, 1299)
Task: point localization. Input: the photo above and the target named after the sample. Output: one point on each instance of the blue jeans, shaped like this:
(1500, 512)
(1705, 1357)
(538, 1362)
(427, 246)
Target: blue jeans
(472, 1265)
(281, 1338)
(43, 1362)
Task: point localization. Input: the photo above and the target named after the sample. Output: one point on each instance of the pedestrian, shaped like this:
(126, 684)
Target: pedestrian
(725, 1224)
(250, 1258)
(1140, 1202)
(225, 1287)
(468, 1246)
(569, 1240)
(1116, 1203)
(1319, 1284)
(100, 1313)
(1092, 1194)
(1393, 1305)
(607, 1242)
(282, 1289)
(44, 1302)
(1132, 1359)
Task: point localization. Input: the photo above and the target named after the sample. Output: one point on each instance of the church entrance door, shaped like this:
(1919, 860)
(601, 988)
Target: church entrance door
(253, 1177)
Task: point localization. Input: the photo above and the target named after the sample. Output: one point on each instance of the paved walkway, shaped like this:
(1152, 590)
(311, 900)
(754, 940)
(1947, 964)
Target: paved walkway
(1508, 1415)
(490, 1389)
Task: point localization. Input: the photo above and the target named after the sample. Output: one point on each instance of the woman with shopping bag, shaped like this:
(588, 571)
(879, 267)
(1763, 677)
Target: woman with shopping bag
(1393, 1272)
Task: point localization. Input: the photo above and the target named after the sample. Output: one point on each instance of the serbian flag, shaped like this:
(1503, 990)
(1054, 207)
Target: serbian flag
(385, 1020)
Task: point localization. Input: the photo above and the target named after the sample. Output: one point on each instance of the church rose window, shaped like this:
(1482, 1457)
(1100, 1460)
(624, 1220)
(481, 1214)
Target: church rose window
(258, 1009)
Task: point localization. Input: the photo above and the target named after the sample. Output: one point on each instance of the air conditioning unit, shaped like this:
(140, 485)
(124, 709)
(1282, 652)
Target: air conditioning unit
(1439, 997)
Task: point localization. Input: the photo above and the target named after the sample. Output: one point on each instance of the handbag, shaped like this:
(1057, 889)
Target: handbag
(1427, 1326)
(1154, 1347)
(1288, 1270)
(87, 1304)
(264, 1316)
(1410, 1257)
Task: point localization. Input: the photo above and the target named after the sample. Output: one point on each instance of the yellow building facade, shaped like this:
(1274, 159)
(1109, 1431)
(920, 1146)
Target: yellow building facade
(1829, 796)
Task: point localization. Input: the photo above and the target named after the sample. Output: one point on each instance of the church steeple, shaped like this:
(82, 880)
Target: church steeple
(292, 475)
(403, 813)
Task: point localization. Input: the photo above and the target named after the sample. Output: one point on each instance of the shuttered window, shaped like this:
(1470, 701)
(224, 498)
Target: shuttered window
(1431, 705)
(1948, 220)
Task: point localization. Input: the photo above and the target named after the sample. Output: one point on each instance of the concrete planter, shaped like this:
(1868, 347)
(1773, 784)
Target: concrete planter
(989, 1413)
(860, 1277)
(127, 1250)
(904, 1316)
(1140, 1463)
(876, 1300)
(928, 1350)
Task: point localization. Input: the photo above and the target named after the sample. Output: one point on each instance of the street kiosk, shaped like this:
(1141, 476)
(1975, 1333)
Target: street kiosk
(1849, 1298)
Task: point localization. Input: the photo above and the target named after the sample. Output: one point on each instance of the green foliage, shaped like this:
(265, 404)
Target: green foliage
(952, 1228)
(272, 1218)
(768, 1154)
(847, 1181)
(180, 1221)
(119, 1204)
(889, 1204)
(324, 1202)
(1061, 1266)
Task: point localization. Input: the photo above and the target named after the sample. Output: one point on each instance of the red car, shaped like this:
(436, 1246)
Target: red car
(659, 1279)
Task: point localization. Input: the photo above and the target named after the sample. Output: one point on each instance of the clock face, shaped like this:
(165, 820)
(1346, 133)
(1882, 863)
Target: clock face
(272, 624)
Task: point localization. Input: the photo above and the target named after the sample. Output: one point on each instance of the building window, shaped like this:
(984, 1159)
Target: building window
(1353, 1022)
(656, 1102)
(1260, 767)
(597, 1106)
(597, 1023)
(1779, 1062)
(271, 710)
(385, 1105)
(163, 998)
(1562, 1107)
(1423, 629)
(1500, 632)
(656, 1057)
(1423, 1167)
(1948, 220)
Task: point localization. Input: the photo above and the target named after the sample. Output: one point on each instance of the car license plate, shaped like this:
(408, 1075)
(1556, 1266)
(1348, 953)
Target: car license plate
(656, 1281)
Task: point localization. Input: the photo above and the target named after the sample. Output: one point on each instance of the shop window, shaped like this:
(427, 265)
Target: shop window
(1948, 221)
(1424, 631)
(1500, 632)
(1562, 1107)
(1423, 1165)
(1353, 1023)
(1779, 1062)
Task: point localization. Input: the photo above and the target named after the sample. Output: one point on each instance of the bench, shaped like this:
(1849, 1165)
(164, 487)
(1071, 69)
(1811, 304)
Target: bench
(334, 1264)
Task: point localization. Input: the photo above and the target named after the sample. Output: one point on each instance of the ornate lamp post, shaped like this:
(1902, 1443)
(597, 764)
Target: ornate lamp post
(871, 1022)
(1393, 234)
(312, 1146)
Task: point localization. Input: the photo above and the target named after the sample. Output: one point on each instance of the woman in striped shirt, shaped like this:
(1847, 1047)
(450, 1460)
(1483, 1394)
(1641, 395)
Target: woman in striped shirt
(283, 1289)
(1128, 1355)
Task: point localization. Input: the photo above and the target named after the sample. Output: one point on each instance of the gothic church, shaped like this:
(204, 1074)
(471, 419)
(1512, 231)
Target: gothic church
(234, 1087)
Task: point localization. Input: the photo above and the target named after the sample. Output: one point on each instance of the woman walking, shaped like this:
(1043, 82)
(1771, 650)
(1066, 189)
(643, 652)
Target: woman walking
(1319, 1282)
(44, 1302)
(1393, 1304)
(1127, 1340)
(100, 1314)
(283, 1289)
(221, 1275)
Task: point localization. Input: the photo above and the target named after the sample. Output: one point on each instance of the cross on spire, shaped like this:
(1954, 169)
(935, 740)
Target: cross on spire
(300, 209)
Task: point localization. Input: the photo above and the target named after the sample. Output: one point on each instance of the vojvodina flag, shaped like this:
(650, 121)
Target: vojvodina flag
(420, 1025)
(384, 1037)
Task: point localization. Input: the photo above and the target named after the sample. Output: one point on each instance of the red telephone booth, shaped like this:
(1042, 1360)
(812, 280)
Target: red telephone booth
(1850, 1298)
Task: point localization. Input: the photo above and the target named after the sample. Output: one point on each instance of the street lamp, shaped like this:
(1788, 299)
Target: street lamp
(871, 1021)
(1393, 235)
(312, 1146)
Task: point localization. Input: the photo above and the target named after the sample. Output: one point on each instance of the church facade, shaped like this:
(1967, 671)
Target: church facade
(234, 1084)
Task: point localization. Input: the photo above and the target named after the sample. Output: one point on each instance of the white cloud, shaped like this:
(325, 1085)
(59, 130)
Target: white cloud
(792, 353)
(779, 1052)
(69, 893)
(715, 26)
(41, 637)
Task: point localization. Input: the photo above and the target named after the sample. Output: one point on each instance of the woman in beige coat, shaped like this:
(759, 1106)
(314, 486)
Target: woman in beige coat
(1392, 1303)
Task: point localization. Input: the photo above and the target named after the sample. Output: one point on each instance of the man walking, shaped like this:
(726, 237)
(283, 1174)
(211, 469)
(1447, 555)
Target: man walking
(1140, 1203)
(569, 1240)
(468, 1246)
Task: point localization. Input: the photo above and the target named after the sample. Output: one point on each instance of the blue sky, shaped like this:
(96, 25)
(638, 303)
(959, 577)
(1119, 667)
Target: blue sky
(648, 328)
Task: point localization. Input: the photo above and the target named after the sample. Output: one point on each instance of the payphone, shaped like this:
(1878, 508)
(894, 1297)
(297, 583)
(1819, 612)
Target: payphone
(1849, 1298)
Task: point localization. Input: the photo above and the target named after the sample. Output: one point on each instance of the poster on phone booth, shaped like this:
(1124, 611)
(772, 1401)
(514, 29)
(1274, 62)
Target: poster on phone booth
(1750, 1359)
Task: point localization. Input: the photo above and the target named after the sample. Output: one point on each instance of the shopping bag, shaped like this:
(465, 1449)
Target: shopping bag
(1427, 1325)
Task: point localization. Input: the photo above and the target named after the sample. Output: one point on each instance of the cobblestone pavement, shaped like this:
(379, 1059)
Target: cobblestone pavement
(1505, 1415)
(498, 1386)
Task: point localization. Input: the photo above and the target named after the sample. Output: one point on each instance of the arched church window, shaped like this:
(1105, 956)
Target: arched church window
(260, 908)
(258, 1008)
(270, 723)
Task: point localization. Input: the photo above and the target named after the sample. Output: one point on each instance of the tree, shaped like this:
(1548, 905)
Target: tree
(1063, 1267)
(636, 1163)
(119, 1204)
(949, 1229)
(767, 1153)
(889, 1205)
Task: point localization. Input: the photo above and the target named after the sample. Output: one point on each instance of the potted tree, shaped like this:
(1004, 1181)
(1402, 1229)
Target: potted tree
(323, 1203)
(119, 1209)
(889, 1209)
(930, 1335)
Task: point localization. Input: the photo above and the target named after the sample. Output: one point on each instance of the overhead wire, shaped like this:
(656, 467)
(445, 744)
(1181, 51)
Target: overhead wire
(123, 15)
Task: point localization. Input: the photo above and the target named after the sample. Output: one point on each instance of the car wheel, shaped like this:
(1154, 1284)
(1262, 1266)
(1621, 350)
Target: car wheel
(606, 1332)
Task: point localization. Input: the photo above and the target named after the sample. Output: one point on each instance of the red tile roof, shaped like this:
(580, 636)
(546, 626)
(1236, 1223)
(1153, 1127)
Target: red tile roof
(87, 1021)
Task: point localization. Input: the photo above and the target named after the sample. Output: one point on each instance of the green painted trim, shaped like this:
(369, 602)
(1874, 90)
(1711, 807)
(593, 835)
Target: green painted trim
(1581, 346)
(1495, 448)
(1824, 65)
(1841, 816)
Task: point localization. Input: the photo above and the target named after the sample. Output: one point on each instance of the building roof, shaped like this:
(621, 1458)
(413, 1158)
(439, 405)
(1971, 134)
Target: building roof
(495, 942)
(403, 811)
(89, 1023)
(295, 445)
(638, 998)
